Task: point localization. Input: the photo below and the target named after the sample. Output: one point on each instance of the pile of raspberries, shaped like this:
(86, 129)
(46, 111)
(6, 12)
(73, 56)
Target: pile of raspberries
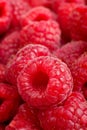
(43, 64)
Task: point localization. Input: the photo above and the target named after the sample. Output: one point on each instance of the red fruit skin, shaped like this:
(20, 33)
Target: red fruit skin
(76, 1)
(72, 115)
(2, 73)
(78, 23)
(25, 119)
(56, 4)
(38, 14)
(5, 15)
(9, 102)
(79, 73)
(44, 82)
(64, 14)
(9, 46)
(71, 51)
(46, 33)
(35, 3)
(19, 8)
(24, 55)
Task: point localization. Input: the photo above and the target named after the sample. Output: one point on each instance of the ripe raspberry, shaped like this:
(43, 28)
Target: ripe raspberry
(78, 23)
(9, 46)
(45, 81)
(2, 72)
(71, 116)
(23, 56)
(38, 14)
(41, 32)
(71, 51)
(25, 119)
(64, 14)
(9, 101)
(5, 15)
(79, 73)
(20, 8)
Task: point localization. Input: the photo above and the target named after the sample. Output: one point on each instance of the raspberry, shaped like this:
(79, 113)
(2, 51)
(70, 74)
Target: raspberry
(9, 46)
(20, 8)
(5, 15)
(71, 51)
(9, 101)
(78, 23)
(38, 14)
(72, 115)
(64, 14)
(25, 119)
(79, 73)
(41, 32)
(2, 72)
(45, 81)
(23, 56)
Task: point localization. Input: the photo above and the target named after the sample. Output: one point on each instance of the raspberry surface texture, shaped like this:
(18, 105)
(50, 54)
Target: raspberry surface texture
(45, 81)
(71, 51)
(46, 33)
(9, 46)
(24, 56)
(9, 102)
(79, 73)
(25, 119)
(78, 23)
(2, 73)
(38, 14)
(19, 8)
(72, 115)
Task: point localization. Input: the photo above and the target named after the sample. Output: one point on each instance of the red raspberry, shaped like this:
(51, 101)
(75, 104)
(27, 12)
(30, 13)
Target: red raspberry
(71, 51)
(78, 23)
(45, 81)
(9, 101)
(79, 73)
(2, 72)
(25, 119)
(9, 46)
(5, 15)
(38, 14)
(23, 56)
(20, 8)
(41, 32)
(64, 14)
(71, 116)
